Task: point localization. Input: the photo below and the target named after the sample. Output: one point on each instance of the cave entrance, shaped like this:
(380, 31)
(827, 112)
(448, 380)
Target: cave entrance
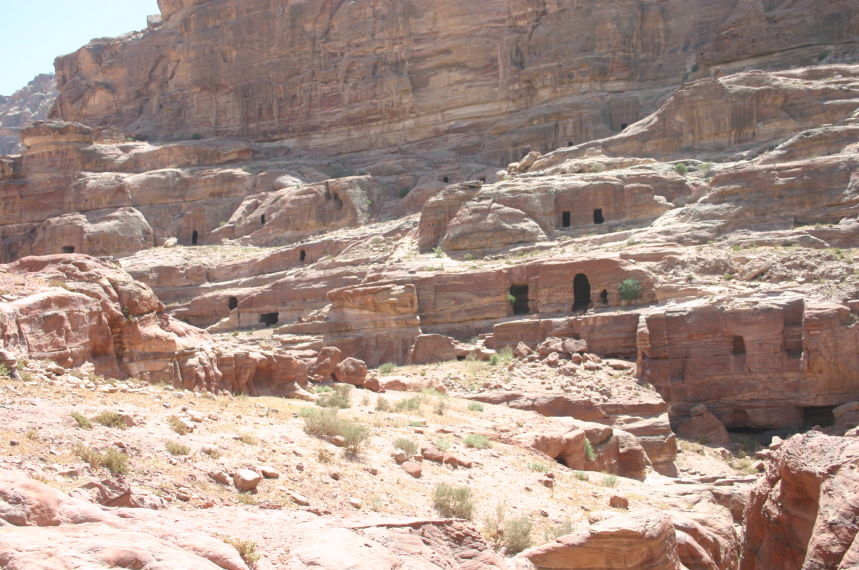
(302, 255)
(604, 296)
(739, 418)
(446, 179)
(194, 237)
(818, 416)
(739, 346)
(262, 219)
(520, 306)
(623, 126)
(581, 293)
(68, 249)
(565, 220)
(268, 319)
(233, 303)
(598, 217)
(483, 179)
(570, 143)
(338, 203)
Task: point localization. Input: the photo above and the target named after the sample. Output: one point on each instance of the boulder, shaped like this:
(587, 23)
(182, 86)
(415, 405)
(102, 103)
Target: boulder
(704, 427)
(246, 480)
(431, 348)
(351, 371)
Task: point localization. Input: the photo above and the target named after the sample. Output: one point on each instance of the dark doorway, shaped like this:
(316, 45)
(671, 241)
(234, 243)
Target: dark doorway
(570, 143)
(302, 256)
(482, 180)
(233, 303)
(739, 345)
(598, 219)
(604, 296)
(68, 249)
(262, 219)
(565, 220)
(520, 306)
(194, 237)
(581, 293)
(623, 126)
(446, 179)
(268, 319)
(818, 416)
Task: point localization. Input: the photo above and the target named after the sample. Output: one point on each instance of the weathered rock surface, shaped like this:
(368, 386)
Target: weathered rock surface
(32, 103)
(802, 513)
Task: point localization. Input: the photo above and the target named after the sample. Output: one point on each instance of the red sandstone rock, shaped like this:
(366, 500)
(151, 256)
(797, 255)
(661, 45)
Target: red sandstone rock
(702, 426)
(351, 371)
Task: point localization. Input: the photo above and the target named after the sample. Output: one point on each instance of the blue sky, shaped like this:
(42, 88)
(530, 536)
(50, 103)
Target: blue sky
(34, 32)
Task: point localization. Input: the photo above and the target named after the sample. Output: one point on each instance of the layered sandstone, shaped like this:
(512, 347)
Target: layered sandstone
(32, 103)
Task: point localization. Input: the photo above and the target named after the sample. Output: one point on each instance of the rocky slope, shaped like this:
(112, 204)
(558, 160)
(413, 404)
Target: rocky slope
(596, 344)
(32, 103)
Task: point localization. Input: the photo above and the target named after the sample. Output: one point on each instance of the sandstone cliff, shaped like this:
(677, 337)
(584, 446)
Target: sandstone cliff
(30, 104)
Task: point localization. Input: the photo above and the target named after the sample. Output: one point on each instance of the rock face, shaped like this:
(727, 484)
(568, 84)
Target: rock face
(533, 76)
(644, 538)
(801, 514)
(32, 103)
(759, 364)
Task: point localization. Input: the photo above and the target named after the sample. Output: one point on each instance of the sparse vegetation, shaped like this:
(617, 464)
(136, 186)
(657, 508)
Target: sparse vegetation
(245, 548)
(339, 398)
(406, 445)
(501, 356)
(681, 169)
(556, 531)
(438, 252)
(590, 453)
(439, 407)
(328, 423)
(629, 289)
(582, 476)
(83, 421)
(542, 468)
(113, 460)
(386, 368)
(110, 419)
(177, 448)
(609, 481)
(177, 425)
(383, 405)
(512, 534)
(248, 439)
(443, 444)
(453, 502)
(354, 435)
(511, 299)
(476, 441)
(409, 404)
(475, 407)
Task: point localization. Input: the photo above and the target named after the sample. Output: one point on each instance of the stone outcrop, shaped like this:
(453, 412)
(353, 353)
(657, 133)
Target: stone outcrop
(30, 104)
(752, 363)
(643, 538)
(521, 77)
(802, 513)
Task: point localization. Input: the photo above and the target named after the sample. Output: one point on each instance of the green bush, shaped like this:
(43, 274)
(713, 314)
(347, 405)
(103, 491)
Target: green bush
(409, 404)
(590, 453)
(443, 444)
(539, 467)
(511, 299)
(113, 460)
(407, 445)
(476, 441)
(438, 252)
(475, 407)
(196, 137)
(453, 502)
(246, 549)
(110, 419)
(387, 368)
(383, 405)
(321, 422)
(582, 476)
(339, 398)
(177, 448)
(629, 289)
(501, 356)
(354, 435)
(512, 534)
(609, 481)
(681, 169)
(83, 421)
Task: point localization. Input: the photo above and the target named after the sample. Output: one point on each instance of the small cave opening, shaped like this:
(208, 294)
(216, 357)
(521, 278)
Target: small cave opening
(68, 249)
(623, 126)
(269, 319)
(482, 179)
(520, 305)
(446, 179)
(598, 217)
(565, 219)
(739, 346)
(740, 418)
(570, 143)
(460, 358)
(581, 293)
(302, 256)
(233, 303)
(818, 416)
(604, 296)
(194, 237)
(262, 219)
(338, 203)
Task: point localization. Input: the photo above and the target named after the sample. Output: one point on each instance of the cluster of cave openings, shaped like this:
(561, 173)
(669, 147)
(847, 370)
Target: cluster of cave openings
(581, 293)
(233, 303)
(194, 237)
(68, 249)
(598, 217)
(269, 319)
(739, 346)
(520, 305)
(565, 219)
